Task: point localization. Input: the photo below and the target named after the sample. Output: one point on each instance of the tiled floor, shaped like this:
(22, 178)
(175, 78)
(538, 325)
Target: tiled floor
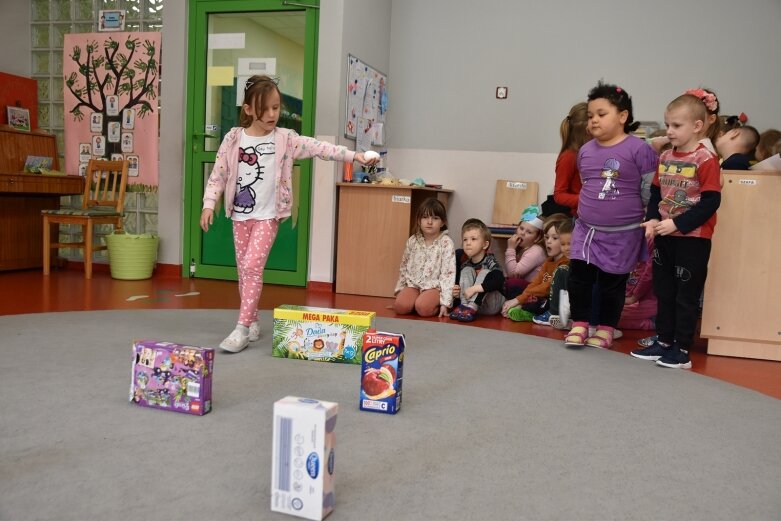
(66, 290)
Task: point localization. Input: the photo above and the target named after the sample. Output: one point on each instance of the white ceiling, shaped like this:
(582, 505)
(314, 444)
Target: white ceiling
(288, 25)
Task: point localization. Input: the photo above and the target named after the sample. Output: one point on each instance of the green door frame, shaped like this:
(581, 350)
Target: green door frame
(195, 156)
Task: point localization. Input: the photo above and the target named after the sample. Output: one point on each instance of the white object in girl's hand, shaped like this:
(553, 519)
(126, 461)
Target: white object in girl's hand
(370, 154)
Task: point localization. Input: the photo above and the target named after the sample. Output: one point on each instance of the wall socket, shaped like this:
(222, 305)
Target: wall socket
(501, 92)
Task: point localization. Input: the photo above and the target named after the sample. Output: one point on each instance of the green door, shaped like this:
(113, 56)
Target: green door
(230, 40)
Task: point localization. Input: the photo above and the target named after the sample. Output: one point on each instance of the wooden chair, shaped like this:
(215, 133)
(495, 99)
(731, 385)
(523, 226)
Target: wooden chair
(102, 203)
(510, 199)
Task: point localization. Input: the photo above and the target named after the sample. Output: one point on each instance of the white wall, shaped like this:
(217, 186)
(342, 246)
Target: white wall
(173, 104)
(15, 28)
(448, 57)
(361, 28)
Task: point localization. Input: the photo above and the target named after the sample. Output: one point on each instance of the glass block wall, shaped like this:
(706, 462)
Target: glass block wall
(50, 21)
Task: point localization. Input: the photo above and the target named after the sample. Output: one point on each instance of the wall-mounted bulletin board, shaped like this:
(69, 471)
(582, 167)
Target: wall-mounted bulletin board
(367, 104)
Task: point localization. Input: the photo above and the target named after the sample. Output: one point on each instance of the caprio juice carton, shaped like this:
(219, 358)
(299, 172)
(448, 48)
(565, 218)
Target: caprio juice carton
(382, 368)
(302, 475)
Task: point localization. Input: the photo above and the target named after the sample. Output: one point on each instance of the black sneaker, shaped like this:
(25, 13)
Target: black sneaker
(653, 352)
(647, 341)
(676, 359)
(456, 312)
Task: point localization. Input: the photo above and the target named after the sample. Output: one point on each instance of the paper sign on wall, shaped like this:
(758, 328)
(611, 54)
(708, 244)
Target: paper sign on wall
(218, 76)
(252, 66)
(226, 41)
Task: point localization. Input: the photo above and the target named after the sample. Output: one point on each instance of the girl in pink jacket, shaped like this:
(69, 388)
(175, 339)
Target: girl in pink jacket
(253, 170)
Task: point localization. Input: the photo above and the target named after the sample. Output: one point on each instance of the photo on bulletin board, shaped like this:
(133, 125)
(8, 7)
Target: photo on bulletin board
(132, 165)
(96, 122)
(367, 100)
(85, 152)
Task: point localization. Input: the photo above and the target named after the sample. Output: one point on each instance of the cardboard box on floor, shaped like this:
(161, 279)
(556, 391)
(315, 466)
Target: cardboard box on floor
(302, 475)
(320, 334)
(171, 376)
(382, 371)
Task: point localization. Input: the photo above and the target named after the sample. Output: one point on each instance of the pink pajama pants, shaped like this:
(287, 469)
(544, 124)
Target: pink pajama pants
(253, 240)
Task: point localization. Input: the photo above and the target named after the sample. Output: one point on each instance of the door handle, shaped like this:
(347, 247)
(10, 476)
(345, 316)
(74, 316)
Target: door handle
(201, 134)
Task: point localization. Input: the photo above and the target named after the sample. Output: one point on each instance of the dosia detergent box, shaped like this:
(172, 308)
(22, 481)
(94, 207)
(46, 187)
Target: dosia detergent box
(302, 475)
(321, 334)
(382, 368)
(172, 376)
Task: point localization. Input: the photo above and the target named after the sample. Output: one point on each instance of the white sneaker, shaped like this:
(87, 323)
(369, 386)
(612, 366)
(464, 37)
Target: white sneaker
(556, 322)
(235, 342)
(564, 309)
(254, 331)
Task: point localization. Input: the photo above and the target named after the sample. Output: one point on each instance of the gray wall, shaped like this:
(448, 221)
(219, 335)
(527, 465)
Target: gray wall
(448, 57)
(358, 27)
(15, 28)
(172, 119)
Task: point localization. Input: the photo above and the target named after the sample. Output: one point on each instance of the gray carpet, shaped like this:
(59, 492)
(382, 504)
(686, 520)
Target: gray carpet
(494, 425)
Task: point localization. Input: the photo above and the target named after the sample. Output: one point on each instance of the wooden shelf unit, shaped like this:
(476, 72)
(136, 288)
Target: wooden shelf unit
(739, 315)
(374, 223)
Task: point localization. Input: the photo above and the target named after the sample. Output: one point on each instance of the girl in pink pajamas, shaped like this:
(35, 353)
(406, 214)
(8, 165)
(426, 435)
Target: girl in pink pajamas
(640, 305)
(253, 170)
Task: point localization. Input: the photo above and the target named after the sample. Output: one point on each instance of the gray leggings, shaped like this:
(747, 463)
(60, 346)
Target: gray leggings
(489, 303)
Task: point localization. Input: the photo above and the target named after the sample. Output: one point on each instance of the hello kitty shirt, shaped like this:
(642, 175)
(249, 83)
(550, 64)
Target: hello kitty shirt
(288, 147)
(255, 182)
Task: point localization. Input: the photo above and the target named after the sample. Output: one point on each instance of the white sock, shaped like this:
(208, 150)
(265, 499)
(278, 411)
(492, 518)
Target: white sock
(244, 329)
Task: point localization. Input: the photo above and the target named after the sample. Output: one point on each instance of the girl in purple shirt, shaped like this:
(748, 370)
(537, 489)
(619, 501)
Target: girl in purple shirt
(608, 240)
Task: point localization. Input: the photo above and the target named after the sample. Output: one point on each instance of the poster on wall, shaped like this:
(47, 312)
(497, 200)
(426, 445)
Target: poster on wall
(367, 102)
(110, 84)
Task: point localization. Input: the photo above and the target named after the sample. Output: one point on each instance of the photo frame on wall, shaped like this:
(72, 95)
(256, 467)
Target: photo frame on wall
(111, 20)
(19, 118)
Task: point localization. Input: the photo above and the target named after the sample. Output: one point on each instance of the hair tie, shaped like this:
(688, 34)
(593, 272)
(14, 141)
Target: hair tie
(618, 89)
(250, 83)
(707, 98)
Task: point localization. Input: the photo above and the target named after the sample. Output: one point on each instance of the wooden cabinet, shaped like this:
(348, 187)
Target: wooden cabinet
(23, 196)
(740, 317)
(374, 223)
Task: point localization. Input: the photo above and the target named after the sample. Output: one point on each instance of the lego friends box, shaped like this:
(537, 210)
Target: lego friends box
(320, 334)
(172, 376)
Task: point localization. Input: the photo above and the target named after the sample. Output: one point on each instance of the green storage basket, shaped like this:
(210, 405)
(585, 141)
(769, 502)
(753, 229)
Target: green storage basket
(132, 257)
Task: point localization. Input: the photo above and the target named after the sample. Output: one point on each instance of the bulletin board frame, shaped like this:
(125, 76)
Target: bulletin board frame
(366, 100)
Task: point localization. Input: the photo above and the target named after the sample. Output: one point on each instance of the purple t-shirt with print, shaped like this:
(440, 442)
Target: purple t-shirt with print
(611, 181)
(610, 197)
